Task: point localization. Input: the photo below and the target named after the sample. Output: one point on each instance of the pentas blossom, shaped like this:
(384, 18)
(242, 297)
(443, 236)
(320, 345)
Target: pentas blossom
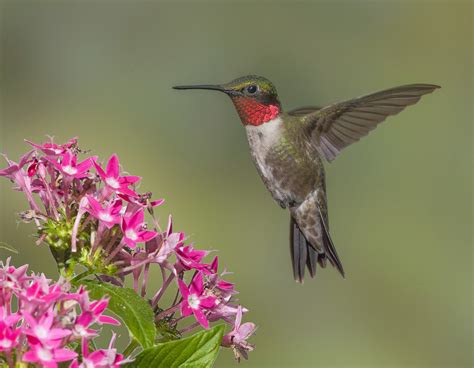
(109, 215)
(113, 180)
(134, 230)
(38, 327)
(51, 148)
(237, 338)
(95, 221)
(194, 299)
(102, 358)
(68, 165)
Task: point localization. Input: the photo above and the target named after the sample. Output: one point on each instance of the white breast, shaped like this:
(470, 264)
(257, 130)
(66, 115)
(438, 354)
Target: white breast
(261, 139)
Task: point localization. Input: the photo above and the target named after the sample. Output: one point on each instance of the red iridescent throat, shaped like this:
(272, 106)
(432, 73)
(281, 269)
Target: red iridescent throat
(253, 112)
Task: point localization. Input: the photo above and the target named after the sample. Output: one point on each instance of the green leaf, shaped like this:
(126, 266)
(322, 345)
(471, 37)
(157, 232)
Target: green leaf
(197, 351)
(133, 310)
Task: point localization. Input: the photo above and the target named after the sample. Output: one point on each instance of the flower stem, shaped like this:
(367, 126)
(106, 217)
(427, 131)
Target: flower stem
(188, 328)
(81, 276)
(163, 288)
(167, 312)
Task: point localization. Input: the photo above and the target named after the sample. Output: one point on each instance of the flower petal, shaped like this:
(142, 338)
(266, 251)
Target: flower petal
(109, 320)
(201, 318)
(183, 289)
(113, 167)
(62, 355)
(246, 330)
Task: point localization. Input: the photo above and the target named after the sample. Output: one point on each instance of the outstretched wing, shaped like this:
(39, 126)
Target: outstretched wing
(336, 126)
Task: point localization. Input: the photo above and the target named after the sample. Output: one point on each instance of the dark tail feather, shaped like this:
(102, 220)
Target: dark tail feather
(302, 254)
(329, 247)
(312, 260)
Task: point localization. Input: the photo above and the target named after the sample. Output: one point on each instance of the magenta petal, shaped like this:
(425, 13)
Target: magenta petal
(62, 355)
(136, 219)
(183, 289)
(66, 159)
(109, 320)
(9, 170)
(99, 170)
(99, 306)
(95, 205)
(147, 235)
(116, 207)
(58, 333)
(49, 364)
(201, 318)
(197, 284)
(127, 180)
(208, 302)
(124, 190)
(131, 244)
(84, 165)
(30, 357)
(169, 230)
(215, 264)
(186, 309)
(113, 166)
(157, 203)
(224, 285)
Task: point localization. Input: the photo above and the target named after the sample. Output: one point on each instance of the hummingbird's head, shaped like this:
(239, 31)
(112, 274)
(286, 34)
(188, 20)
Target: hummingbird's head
(254, 97)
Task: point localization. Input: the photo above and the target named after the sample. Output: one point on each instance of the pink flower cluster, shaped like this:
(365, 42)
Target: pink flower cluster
(92, 216)
(41, 322)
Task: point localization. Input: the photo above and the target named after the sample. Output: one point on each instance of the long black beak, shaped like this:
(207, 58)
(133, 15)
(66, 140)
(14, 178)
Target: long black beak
(213, 87)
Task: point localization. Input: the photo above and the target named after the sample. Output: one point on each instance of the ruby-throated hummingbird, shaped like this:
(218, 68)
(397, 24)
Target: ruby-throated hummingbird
(287, 149)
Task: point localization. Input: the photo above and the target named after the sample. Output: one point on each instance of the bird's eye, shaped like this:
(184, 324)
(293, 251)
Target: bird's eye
(252, 89)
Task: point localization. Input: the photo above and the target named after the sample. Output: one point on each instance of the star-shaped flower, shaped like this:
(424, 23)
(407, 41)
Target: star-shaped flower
(113, 180)
(194, 299)
(134, 231)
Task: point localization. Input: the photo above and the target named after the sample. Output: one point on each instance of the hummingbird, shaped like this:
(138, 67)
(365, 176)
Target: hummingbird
(288, 149)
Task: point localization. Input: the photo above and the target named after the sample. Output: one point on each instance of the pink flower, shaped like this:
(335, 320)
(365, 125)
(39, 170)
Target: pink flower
(189, 258)
(48, 357)
(70, 167)
(237, 338)
(38, 291)
(195, 301)
(54, 149)
(16, 173)
(142, 200)
(42, 331)
(133, 229)
(14, 167)
(225, 311)
(113, 180)
(92, 312)
(8, 331)
(109, 216)
(103, 358)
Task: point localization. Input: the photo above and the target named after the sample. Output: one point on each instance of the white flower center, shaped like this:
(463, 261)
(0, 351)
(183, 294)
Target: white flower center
(131, 234)
(104, 216)
(44, 355)
(113, 182)
(5, 343)
(41, 332)
(69, 170)
(193, 301)
(88, 364)
(81, 331)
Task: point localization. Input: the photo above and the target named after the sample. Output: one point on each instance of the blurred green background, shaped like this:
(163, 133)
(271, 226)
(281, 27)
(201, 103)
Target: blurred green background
(400, 200)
